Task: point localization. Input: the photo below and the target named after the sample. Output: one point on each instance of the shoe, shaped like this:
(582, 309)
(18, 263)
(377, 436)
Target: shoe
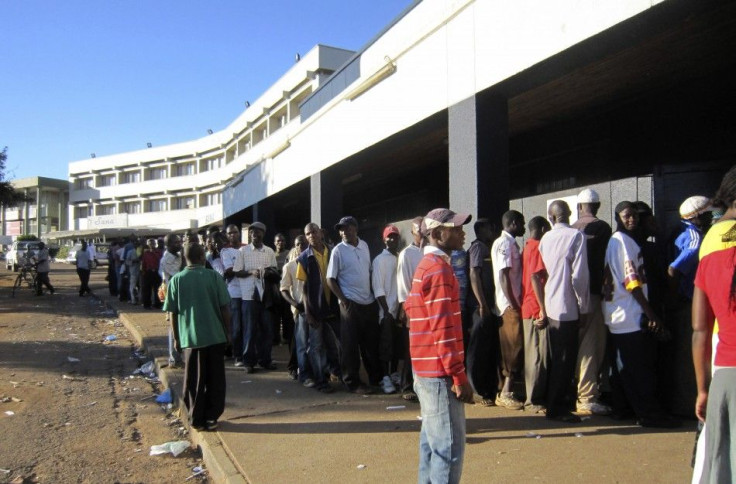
(507, 400)
(334, 378)
(535, 409)
(211, 425)
(293, 374)
(593, 408)
(238, 362)
(325, 388)
(309, 383)
(395, 378)
(659, 422)
(487, 402)
(410, 397)
(565, 418)
(249, 369)
(268, 366)
(387, 385)
(199, 427)
(361, 390)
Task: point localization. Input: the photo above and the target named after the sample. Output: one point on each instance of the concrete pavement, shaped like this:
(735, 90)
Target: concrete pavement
(275, 430)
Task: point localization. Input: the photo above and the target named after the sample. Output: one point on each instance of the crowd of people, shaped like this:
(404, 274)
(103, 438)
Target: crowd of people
(568, 326)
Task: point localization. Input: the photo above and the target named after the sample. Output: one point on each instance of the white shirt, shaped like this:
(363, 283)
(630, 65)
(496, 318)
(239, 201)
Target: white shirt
(290, 283)
(409, 259)
(384, 282)
(565, 256)
(229, 255)
(170, 265)
(351, 267)
(250, 258)
(505, 253)
(625, 264)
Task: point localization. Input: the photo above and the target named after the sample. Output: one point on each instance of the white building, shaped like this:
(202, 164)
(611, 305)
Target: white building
(180, 186)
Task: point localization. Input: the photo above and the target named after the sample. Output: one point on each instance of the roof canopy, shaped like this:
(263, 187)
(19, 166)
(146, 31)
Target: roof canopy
(107, 233)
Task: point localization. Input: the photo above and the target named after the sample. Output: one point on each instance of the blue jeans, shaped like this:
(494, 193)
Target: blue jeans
(237, 325)
(310, 351)
(442, 438)
(257, 334)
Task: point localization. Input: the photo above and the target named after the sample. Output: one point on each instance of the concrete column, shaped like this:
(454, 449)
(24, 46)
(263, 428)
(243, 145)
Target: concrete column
(263, 212)
(479, 157)
(325, 198)
(38, 212)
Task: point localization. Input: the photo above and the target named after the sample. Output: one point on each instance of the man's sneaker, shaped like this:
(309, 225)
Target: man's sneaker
(506, 399)
(387, 385)
(249, 369)
(238, 362)
(593, 408)
(535, 409)
(325, 388)
(293, 374)
(211, 425)
(309, 383)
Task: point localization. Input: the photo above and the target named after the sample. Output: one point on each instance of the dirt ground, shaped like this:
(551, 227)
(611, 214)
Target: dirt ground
(70, 409)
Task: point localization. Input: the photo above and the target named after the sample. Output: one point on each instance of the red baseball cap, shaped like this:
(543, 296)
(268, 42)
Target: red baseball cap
(391, 229)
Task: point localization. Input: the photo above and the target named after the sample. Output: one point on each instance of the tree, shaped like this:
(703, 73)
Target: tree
(9, 196)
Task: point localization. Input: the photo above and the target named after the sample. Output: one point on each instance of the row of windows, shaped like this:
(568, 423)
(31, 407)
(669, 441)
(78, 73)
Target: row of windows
(157, 205)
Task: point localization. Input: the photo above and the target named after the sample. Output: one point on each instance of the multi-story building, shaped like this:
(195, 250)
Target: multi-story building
(180, 186)
(44, 212)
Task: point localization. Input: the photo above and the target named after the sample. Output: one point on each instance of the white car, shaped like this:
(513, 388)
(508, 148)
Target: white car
(19, 250)
(100, 254)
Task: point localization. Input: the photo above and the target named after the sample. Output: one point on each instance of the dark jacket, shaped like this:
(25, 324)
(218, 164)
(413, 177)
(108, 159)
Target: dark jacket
(315, 303)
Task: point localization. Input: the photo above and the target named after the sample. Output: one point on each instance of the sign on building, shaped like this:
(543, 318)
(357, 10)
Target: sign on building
(107, 221)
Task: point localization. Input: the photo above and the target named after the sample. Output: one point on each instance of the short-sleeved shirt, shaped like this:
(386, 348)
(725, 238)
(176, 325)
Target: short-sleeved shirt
(714, 277)
(597, 232)
(351, 267)
(42, 256)
(479, 257)
(383, 279)
(409, 259)
(170, 265)
(196, 294)
(625, 264)
(291, 284)
(229, 255)
(532, 264)
(715, 239)
(253, 258)
(322, 261)
(687, 247)
(505, 253)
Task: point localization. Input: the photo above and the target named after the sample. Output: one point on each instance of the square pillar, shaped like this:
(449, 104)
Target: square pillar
(325, 198)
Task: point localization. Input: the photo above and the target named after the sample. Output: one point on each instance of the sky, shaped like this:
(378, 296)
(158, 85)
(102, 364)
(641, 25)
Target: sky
(108, 76)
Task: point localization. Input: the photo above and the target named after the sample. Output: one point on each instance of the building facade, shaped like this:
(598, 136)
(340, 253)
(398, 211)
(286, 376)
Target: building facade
(46, 211)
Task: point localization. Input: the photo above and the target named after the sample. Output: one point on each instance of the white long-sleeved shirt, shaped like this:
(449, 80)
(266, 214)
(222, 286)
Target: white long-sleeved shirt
(567, 291)
(407, 264)
(383, 280)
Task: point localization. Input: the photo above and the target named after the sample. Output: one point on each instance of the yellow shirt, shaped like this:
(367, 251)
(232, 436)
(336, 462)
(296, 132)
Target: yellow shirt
(322, 260)
(713, 242)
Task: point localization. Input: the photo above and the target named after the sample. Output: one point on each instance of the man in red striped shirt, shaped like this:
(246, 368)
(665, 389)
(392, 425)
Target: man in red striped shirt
(436, 347)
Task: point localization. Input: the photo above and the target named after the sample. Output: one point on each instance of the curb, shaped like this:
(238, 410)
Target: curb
(220, 467)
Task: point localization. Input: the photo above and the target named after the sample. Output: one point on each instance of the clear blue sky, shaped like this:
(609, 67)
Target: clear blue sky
(108, 76)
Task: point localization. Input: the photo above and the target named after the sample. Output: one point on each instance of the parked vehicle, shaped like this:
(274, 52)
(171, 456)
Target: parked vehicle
(100, 258)
(19, 250)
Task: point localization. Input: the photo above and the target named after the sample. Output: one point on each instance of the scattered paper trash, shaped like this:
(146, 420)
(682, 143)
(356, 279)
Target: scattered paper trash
(5, 471)
(532, 435)
(110, 337)
(165, 397)
(396, 407)
(67, 377)
(361, 466)
(72, 359)
(247, 381)
(278, 392)
(9, 413)
(16, 399)
(583, 419)
(578, 434)
(176, 448)
(147, 367)
(419, 417)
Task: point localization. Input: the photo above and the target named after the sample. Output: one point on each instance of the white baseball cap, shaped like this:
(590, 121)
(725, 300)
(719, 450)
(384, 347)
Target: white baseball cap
(694, 206)
(588, 196)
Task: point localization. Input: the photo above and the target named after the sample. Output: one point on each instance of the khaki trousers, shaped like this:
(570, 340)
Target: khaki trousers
(591, 351)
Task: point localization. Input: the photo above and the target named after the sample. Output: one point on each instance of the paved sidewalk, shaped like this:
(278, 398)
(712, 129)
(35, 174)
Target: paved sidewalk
(274, 430)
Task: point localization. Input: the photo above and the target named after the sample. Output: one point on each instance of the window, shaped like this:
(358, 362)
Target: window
(81, 212)
(183, 203)
(84, 183)
(185, 169)
(132, 177)
(210, 164)
(157, 205)
(107, 180)
(209, 199)
(105, 210)
(132, 207)
(159, 173)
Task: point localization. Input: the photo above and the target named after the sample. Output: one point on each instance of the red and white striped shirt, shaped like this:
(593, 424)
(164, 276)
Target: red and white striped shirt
(433, 308)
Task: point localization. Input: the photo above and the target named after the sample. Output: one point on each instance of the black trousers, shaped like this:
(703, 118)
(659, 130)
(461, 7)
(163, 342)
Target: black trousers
(84, 280)
(42, 279)
(204, 383)
(359, 334)
(482, 355)
(633, 376)
(563, 355)
(407, 373)
(150, 280)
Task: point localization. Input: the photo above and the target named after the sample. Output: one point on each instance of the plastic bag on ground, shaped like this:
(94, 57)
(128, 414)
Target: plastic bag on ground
(165, 396)
(176, 448)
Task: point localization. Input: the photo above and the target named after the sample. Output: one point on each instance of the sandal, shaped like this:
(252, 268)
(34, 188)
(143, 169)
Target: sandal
(410, 397)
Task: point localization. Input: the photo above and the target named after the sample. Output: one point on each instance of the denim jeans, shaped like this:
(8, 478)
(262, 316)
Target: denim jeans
(237, 325)
(310, 351)
(442, 438)
(257, 333)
